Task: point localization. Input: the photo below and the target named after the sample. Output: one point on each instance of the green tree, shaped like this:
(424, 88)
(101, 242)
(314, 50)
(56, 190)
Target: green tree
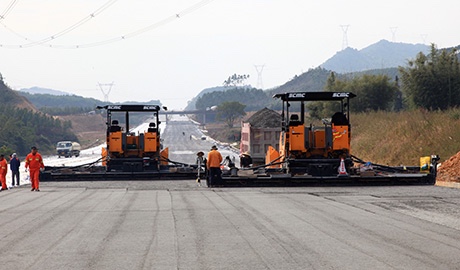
(230, 111)
(23, 128)
(236, 80)
(432, 81)
(254, 99)
(373, 93)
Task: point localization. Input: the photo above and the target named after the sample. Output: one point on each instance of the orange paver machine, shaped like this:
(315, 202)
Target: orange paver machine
(133, 151)
(317, 150)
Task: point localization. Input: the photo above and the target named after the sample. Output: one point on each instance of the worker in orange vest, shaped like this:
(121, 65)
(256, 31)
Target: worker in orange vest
(213, 166)
(34, 162)
(3, 171)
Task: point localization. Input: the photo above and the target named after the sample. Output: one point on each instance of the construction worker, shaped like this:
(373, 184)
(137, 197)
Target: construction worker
(3, 171)
(34, 162)
(213, 165)
(245, 160)
(15, 163)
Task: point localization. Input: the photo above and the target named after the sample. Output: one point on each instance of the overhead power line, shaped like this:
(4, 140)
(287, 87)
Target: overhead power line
(8, 9)
(151, 27)
(60, 33)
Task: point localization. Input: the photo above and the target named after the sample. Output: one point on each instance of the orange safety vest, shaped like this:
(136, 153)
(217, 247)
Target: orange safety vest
(3, 167)
(34, 162)
(214, 159)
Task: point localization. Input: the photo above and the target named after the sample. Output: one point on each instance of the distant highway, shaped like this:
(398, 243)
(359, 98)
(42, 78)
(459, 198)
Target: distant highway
(186, 112)
(185, 139)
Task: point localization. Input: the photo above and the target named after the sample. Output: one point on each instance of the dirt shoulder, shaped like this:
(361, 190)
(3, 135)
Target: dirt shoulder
(449, 169)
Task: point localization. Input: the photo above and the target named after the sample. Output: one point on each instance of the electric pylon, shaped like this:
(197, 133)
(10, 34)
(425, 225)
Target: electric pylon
(345, 37)
(106, 94)
(259, 69)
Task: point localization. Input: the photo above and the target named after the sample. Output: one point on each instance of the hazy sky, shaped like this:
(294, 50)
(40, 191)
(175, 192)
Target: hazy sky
(172, 49)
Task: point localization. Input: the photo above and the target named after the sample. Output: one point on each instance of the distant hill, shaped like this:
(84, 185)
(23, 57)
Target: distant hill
(312, 80)
(39, 90)
(191, 103)
(10, 97)
(55, 99)
(381, 55)
(23, 125)
(60, 101)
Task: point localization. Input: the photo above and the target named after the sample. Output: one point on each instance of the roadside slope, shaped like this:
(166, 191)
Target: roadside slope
(89, 128)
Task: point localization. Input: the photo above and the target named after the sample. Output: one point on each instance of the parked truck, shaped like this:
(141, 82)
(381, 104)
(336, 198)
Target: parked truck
(68, 149)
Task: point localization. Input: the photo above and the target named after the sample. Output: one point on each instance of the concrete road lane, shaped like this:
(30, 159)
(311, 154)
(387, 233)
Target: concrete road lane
(179, 225)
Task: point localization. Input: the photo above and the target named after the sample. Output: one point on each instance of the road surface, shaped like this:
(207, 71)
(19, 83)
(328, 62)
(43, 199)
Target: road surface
(180, 225)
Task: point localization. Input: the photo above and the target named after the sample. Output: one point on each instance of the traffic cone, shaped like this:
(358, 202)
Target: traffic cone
(342, 169)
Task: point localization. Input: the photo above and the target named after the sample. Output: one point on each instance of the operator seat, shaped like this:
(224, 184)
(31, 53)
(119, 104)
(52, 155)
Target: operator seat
(114, 127)
(339, 119)
(152, 128)
(294, 120)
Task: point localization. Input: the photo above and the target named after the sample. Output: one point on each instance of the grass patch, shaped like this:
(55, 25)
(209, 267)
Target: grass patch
(401, 138)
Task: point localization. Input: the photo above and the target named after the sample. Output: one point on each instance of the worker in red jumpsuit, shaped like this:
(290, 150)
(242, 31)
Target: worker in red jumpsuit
(3, 171)
(34, 162)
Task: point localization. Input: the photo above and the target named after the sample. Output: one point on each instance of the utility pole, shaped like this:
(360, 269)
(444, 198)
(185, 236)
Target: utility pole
(106, 94)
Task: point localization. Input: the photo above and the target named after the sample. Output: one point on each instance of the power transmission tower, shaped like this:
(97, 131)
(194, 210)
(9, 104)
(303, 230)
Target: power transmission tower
(424, 36)
(393, 33)
(259, 69)
(106, 94)
(345, 36)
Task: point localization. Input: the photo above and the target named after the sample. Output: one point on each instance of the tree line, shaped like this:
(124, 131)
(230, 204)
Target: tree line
(254, 99)
(23, 128)
(61, 105)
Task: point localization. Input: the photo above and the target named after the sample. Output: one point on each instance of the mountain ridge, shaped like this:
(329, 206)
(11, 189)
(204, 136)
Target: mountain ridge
(380, 55)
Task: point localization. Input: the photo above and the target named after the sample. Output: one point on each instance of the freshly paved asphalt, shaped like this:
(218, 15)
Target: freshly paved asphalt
(180, 225)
